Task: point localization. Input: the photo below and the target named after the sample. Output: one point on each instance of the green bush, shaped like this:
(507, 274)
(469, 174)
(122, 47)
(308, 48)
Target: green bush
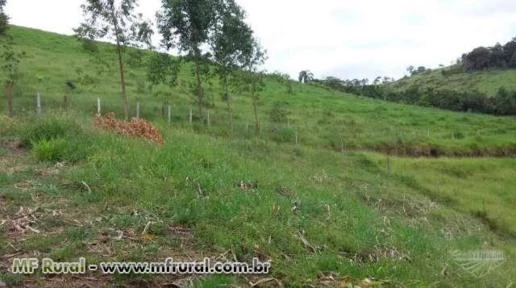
(50, 150)
(284, 135)
(58, 139)
(63, 149)
(279, 112)
(89, 46)
(48, 129)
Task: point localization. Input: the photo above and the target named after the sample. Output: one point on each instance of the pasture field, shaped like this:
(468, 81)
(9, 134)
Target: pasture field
(320, 117)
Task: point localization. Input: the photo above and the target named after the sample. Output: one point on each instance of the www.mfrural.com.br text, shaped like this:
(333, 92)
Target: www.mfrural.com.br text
(168, 266)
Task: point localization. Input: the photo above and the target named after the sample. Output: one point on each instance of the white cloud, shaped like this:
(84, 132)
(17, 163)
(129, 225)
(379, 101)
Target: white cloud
(349, 39)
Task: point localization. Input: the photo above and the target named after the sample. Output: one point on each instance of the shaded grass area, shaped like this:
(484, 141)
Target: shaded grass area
(359, 219)
(481, 187)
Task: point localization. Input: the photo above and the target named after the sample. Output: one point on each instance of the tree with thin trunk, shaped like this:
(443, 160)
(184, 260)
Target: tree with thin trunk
(10, 60)
(189, 25)
(10, 65)
(116, 21)
(4, 20)
(163, 69)
(252, 80)
(232, 47)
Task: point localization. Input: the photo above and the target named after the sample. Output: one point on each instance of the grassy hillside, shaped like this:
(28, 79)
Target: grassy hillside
(328, 210)
(487, 82)
(319, 117)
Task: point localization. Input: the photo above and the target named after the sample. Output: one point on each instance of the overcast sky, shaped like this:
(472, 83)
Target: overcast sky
(347, 39)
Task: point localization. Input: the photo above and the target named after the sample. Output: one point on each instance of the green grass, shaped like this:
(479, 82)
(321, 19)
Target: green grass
(321, 118)
(475, 186)
(487, 82)
(350, 207)
(365, 215)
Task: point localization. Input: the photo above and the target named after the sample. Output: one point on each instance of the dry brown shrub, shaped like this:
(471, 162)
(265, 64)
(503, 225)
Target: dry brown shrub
(135, 128)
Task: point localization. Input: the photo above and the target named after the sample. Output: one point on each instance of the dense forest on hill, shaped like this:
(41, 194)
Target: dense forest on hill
(497, 57)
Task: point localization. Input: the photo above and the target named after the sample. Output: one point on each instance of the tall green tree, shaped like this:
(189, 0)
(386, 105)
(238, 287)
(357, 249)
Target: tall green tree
(10, 60)
(163, 70)
(252, 79)
(116, 21)
(188, 25)
(4, 20)
(232, 47)
(10, 65)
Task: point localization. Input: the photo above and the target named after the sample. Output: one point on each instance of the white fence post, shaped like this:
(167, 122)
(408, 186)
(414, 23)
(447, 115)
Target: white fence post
(389, 170)
(38, 102)
(98, 106)
(191, 116)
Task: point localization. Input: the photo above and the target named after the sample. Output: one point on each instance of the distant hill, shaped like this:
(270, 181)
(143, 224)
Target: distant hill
(488, 81)
(482, 81)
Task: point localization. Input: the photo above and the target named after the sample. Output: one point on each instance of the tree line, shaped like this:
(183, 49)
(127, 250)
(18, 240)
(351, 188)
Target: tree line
(496, 57)
(503, 103)
(481, 58)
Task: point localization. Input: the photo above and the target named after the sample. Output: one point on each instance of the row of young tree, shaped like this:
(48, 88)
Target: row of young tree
(210, 34)
(497, 57)
(503, 103)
